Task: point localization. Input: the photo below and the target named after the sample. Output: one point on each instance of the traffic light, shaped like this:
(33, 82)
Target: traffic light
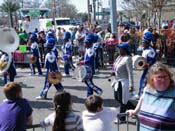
(90, 8)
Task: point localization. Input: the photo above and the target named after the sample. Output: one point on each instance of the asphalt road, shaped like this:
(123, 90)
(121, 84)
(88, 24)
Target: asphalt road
(32, 85)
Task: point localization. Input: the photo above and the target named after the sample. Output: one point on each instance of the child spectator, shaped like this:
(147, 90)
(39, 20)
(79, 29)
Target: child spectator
(97, 117)
(16, 113)
(63, 119)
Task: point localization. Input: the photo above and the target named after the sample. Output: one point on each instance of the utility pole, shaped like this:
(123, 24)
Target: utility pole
(94, 10)
(89, 7)
(114, 16)
(54, 14)
(98, 7)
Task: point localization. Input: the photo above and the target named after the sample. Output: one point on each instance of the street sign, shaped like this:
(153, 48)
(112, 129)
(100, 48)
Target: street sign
(102, 13)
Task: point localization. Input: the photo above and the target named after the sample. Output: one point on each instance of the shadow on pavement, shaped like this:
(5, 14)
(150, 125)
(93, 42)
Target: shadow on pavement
(41, 104)
(76, 99)
(25, 86)
(80, 88)
(110, 103)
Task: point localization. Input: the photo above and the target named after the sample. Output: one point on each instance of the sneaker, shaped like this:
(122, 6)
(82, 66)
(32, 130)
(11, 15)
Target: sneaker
(40, 74)
(73, 77)
(40, 98)
(65, 74)
(137, 97)
(30, 74)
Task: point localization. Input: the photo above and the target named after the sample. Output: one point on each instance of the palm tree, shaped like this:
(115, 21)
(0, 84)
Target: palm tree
(9, 7)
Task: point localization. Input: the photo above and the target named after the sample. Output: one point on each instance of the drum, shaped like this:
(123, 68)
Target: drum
(138, 62)
(54, 77)
(83, 73)
(32, 59)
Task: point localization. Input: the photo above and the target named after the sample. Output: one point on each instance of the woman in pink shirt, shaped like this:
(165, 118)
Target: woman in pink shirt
(110, 45)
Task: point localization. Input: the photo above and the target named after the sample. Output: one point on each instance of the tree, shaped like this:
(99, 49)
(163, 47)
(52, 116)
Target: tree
(62, 8)
(82, 16)
(146, 9)
(9, 7)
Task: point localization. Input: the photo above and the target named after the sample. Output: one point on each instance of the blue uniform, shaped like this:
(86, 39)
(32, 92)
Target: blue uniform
(89, 60)
(67, 57)
(150, 56)
(36, 53)
(50, 65)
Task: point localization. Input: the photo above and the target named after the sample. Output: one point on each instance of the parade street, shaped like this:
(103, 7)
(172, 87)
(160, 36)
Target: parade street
(32, 85)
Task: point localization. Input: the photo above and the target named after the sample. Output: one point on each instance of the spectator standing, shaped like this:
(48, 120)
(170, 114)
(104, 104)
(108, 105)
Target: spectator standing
(80, 35)
(133, 41)
(59, 35)
(155, 108)
(15, 111)
(123, 83)
(125, 37)
(111, 44)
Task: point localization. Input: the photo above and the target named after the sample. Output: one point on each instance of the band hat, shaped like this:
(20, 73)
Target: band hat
(146, 41)
(123, 45)
(50, 42)
(89, 39)
(67, 35)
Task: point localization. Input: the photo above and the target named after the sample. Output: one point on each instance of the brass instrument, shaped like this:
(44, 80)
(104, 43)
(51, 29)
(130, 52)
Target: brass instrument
(9, 42)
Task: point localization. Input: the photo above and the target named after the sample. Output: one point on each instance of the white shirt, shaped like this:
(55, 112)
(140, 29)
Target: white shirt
(99, 121)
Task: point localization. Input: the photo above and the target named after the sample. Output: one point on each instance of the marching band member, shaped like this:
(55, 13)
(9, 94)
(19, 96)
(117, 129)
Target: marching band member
(67, 53)
(11, 71)
(123, 83)
(35, 55)
(89, 60)
(96, 49)
(150, 55)
(51, 66)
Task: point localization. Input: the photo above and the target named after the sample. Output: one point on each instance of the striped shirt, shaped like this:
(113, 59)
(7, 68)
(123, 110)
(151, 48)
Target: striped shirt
(157, 111)
(73, 122)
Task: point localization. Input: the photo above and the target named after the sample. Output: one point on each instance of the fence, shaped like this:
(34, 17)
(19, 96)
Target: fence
(36, 126)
